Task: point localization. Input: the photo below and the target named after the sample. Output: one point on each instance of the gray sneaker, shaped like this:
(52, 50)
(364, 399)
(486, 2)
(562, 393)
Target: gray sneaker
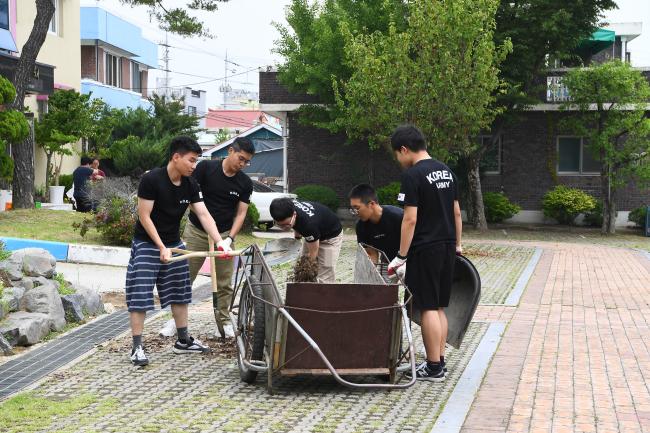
(194, 346)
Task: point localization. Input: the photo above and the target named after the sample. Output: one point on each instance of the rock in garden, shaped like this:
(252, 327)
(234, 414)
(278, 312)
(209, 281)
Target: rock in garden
(5, 347)
(25, 283)
(12, 269)
(39, 264)
(92, 303)
(4, 309)
(46, 300)
(24, 329)
(109, 308)
(73, 306)
(12, 297)
(40, 281)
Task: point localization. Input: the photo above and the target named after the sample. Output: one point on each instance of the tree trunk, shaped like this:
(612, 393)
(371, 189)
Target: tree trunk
(48, 174)
(23, 153)
(609, 203)
(477, 211)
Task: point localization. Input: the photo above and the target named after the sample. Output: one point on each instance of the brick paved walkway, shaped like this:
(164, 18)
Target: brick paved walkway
(575, 356)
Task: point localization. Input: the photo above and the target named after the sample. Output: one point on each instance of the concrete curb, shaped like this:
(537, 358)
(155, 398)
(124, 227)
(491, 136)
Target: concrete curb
(460, 401)
(74, 253)
(522, 282)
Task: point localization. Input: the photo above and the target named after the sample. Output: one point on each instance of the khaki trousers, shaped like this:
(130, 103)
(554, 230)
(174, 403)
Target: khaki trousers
(197, 240)
(328, 254)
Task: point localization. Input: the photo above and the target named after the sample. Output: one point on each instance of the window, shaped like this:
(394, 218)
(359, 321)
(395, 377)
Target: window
(196, 93)
(191, 110)
(4, 14)
(136, 82)
(491, 161)
(112, 70)
(54, 24)
(573, 157)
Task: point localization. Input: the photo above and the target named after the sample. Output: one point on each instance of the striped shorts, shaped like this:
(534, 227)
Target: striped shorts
(145, 270)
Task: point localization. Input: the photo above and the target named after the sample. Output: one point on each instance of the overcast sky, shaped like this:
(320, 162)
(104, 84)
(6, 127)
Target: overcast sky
(243, 29)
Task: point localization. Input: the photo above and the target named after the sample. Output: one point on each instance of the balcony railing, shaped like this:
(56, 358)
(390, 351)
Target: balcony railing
(556, 91)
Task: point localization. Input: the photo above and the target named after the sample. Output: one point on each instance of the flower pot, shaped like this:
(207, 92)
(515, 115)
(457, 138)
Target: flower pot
(56, 194)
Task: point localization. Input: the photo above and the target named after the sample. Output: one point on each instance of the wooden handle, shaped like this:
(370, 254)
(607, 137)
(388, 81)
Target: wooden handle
(185, 254)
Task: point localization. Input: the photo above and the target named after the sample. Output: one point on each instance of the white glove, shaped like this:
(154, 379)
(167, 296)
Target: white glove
(401, 272)
(225, 245)
(395, 264)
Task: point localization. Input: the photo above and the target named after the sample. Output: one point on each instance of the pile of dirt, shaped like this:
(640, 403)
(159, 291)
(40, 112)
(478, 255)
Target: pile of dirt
(305, 270)
(155, 343)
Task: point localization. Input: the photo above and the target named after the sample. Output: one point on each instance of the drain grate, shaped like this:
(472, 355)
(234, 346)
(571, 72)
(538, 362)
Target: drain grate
(27, 369)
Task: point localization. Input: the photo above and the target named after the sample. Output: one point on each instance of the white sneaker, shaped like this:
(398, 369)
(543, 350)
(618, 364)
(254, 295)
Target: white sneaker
(228, 331)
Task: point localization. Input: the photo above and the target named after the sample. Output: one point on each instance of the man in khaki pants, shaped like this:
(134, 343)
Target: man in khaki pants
(318, 226)
(226, 192)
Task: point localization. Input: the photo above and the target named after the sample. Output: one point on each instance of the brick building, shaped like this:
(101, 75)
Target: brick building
(531, 158)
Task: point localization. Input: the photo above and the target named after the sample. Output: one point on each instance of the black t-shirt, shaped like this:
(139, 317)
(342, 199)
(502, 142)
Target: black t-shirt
(431, 187)
(170, 203)
(386, 234)
(80, 177)
(221, 193)
(316, 222)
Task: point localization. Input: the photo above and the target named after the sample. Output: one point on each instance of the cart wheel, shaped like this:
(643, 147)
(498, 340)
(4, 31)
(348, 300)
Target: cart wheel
(251, 324)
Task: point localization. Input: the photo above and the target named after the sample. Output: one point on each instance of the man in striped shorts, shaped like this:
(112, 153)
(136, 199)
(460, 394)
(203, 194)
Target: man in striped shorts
(164, 195)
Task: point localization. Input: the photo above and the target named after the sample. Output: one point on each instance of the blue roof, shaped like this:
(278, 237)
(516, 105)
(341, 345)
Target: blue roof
(98, 24)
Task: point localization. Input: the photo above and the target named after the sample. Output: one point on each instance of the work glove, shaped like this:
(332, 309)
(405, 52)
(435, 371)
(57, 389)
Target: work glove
(395, 264)
(401, 272)
(225, 246)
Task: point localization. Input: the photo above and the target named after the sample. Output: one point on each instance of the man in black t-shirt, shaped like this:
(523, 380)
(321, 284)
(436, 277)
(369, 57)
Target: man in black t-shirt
(164, 195)
(378, 226)
(320, 228)
(430, 239)
(227, 193)
(80, 178)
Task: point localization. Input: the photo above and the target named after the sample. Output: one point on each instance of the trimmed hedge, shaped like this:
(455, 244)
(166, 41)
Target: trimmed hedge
(498, 207)
(638, 215)
(318, 193)
(564, 204)
(388, 194)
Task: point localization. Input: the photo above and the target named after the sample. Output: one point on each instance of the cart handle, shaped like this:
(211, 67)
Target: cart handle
(185, 254)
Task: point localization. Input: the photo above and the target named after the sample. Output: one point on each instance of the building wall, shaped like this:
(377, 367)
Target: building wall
(317, 157)
(528, 167)
(61, 50)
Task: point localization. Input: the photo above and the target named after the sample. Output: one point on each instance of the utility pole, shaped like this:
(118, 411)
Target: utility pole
(165, 59)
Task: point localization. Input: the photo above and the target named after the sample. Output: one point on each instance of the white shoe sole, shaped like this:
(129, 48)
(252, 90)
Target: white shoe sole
(187, 351)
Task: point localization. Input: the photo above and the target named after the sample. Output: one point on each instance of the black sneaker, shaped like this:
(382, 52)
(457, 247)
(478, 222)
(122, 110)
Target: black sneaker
(424, 372)
(138, 357)
(194, 346)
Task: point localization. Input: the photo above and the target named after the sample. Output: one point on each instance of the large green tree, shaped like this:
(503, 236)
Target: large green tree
(312, 46)
(542, 32)
(440, 73)
(175, 19)
(608, 108)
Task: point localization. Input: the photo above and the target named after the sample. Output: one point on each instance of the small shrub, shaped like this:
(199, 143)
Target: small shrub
(114, 220)
(498, 207)
(388, 194)
(252, 218)
(318, 193)
(66, 180)
(638, 215)
(4, 253)
(64, 287)
(565, 204)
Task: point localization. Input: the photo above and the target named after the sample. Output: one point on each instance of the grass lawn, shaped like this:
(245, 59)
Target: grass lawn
(47, 225)
(56, 225)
